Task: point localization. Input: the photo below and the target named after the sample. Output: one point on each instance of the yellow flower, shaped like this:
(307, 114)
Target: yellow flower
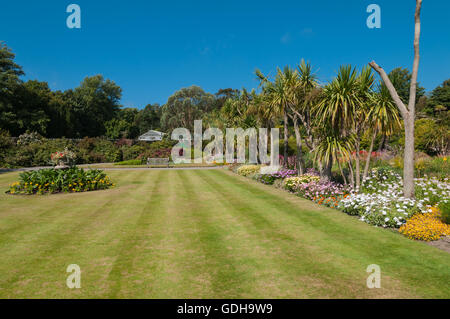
(445, 159)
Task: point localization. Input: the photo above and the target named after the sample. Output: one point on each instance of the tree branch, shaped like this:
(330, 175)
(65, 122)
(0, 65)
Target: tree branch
(391, 88)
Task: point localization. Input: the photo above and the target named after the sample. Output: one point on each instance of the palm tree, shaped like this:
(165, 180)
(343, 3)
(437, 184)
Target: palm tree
(365, 84)
(338, 108)
(336, 148)
(302, 87)
(278, 95)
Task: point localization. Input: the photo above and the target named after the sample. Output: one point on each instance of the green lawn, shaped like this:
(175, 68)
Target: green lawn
(202, 234)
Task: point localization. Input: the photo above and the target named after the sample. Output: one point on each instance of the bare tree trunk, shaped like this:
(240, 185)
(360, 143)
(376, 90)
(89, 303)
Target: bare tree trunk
(408, 160)
(408, 113)
(372, 142)
(298, 139)
(285, 137)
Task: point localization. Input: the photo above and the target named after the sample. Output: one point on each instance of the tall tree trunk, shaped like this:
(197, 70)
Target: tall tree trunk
(285, 137)
(326, 169)
(408, 160)
(357, 157)
(372, 142)
(382, 142)
(298, 138)
(342, 172)
(408, 113)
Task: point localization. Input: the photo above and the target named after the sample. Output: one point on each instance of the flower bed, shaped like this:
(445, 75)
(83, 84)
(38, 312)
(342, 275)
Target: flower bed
(293, 184)
(380, 201)
(426, 226)
(69, 180)
(269, 179)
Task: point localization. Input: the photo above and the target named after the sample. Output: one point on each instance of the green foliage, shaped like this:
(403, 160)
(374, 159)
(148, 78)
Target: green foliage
(401, 79)
(130, 162)
(444, 207)
(132, 152)
(50, 181)
(439, 101)
(185, 106)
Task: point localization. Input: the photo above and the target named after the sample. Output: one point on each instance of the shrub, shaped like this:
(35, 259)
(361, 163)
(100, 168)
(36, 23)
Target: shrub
(132, 152)
(425, 226)
(292, 184)
(29, 138)
(130, 162)
(283, 173)
(444, 207)
(247, 170)
(50, 181)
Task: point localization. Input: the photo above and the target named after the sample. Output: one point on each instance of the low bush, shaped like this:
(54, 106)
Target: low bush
(247, 170)
(444, 207)
(70, 180)
(283, 173)
(292, 184)
(130, 162)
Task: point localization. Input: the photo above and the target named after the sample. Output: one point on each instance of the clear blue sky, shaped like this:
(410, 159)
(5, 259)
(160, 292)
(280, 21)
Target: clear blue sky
(153, 48)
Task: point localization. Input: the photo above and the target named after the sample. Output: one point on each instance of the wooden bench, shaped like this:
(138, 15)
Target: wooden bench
(158, 161)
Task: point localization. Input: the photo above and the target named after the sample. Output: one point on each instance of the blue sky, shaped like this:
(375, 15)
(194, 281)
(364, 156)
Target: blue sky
(153, 48)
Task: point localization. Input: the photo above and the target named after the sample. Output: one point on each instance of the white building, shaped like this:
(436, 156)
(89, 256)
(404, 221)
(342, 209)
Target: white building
(151, 136)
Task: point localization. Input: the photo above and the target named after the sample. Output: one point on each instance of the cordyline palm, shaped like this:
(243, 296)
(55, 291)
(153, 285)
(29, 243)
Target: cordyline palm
(338, 108)
(334, 147)
(278, 95)
(302, 84)
(365, 82)
(340, 101)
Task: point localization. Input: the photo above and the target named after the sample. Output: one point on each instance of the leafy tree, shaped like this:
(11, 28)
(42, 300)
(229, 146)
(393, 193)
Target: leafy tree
(184, 107)
(31, 107)
(401, 79)
(10, 74)
(148, 119)
(439, 101)
(93, 103)
(223, 95)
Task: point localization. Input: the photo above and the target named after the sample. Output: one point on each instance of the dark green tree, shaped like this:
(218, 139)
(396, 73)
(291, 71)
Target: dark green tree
(148, 119)
(10, 74)
(94, 102)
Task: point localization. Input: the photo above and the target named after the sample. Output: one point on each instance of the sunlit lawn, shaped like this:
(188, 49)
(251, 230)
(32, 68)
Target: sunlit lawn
(202, 234)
